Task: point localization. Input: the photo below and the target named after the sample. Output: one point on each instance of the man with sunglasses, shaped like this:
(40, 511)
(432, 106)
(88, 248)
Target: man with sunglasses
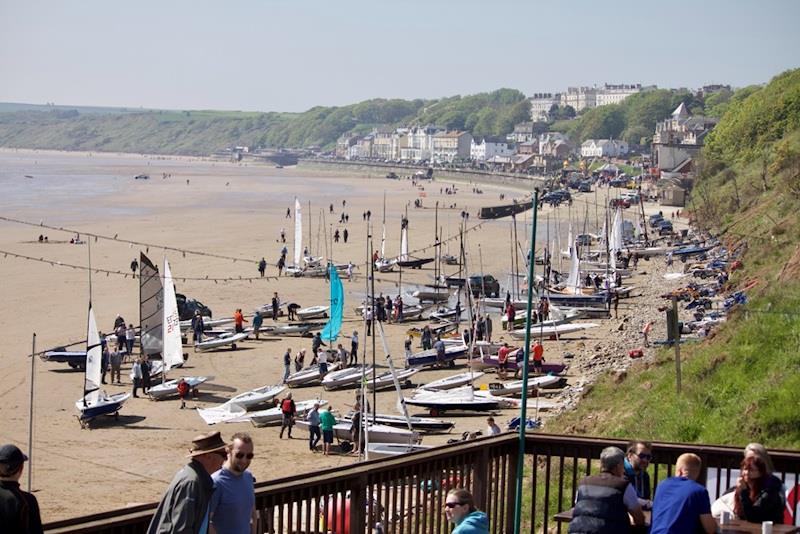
(637, 459)
(232, 508)
(184, 507)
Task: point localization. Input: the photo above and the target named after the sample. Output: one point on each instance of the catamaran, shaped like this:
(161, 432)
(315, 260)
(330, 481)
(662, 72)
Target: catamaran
(172, 353)
(95, 402)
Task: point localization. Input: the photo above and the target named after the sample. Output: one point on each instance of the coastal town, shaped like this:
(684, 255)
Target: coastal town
(296, 269)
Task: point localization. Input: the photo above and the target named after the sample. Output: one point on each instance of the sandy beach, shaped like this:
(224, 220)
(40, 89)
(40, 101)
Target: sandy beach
(212, 207)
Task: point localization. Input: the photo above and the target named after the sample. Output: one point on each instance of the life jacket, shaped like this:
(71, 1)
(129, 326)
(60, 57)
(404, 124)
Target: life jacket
(287, 406)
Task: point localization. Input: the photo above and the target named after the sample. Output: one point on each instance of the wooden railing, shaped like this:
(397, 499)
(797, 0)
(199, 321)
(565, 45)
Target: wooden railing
(406, 495)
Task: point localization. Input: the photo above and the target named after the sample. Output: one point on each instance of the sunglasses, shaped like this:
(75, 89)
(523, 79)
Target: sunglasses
(241, 455)
(645, 456)
(453, 504)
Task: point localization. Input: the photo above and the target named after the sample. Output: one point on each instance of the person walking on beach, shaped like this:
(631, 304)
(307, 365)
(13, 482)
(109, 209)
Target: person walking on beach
(287, 362)
(488, 328)
(326, 422)
(145, 374)
(130, 337)
(368, 319)
(19, 510)
(238, 321)
(345, 235)
(183, 391)
(136, 376)
(232, 508)
(316, 343)
(427, 338)
(197, 327)
(336, 236)
(288, 412)
(104, 360)
(258, 320)
(349, 266)
(314, 432)
(116, 367)
(281, 264)
(288, 213)
(283, 235)
(276, 305)
(354, 348)
(322, 361)
(262, 266)
(134, 267)
(184, 506)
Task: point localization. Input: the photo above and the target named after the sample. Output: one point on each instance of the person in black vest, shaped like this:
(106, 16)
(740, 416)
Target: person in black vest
(604, 501)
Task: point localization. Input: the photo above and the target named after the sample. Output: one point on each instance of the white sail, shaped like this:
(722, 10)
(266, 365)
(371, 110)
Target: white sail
(615, 241)
(94, 355)
(298, 233)
(404, 244)
(574, 281)
(173, 349)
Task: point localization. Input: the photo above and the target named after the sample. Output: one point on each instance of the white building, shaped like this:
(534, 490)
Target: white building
(614, 94)
(579, 98)
(541, 104)
(603, 148)
(449, 146)
(419, 144)
(486, 149)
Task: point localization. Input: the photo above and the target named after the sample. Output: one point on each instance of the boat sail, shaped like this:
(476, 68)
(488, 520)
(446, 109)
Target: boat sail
(172, 354)
(334, 325)
(96, 402)
(151, 307)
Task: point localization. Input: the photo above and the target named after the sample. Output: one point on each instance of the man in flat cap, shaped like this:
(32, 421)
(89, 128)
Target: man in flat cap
(184, 507)
(19, 510)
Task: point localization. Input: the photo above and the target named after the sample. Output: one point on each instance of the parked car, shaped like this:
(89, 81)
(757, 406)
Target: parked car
(655, 219)
(619, 202)
(187, 307)
(665, 228)
(585, 187)
(486, 285)
(618, 182)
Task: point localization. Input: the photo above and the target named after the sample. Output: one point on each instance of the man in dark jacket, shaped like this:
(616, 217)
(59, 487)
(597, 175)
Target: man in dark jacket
(184, 507)
(19, 510)
(637, 459)
(604, 501)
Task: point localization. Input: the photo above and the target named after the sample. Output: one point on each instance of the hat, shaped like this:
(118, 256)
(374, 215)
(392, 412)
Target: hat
(11, 455)
(207, 443)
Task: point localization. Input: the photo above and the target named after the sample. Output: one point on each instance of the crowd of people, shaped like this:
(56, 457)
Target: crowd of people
(615, 499)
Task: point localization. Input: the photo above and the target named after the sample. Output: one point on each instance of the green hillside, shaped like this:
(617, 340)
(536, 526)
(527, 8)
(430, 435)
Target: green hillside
(740, 385)
(203, 132)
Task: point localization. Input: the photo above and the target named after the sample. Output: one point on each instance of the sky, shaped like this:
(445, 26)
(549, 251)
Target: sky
(291, 55)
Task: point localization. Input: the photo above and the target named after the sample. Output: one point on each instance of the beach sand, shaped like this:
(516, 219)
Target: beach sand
(227, 209)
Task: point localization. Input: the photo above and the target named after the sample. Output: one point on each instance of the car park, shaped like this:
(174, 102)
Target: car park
(486, 285)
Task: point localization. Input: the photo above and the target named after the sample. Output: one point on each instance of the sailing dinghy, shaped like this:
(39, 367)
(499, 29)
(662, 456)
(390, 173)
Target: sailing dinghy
(451, 382)
(309, 376)
(96, 402)
(172, 354)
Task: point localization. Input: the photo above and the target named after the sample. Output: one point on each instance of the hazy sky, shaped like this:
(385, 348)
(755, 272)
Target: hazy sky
(290, 55)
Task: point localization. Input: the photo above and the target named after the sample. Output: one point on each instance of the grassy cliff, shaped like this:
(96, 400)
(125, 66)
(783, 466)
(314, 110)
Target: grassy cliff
(203, 132)
(741, 384)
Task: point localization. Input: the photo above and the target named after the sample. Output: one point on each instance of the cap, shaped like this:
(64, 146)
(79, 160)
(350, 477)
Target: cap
(11, 455)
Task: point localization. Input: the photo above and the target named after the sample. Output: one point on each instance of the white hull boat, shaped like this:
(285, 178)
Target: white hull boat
(257, 396)
(419, 424)
(386, 380)
(377, 433)
(388, 450)
(451, 382)
(501, 303)
(273, 416)
(515, 387)
(292, 329)
(222, 341)
(345, 377)
(312, 312)
(308, 376)
(170, 387)
(207, 323)
(555, 330)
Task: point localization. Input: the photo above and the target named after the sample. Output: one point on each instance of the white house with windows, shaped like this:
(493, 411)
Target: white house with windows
(485, 149)
(541, 104)
(449, 146)
(603, 148)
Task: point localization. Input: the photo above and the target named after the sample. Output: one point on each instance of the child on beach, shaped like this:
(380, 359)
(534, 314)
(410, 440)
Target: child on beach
(183, 392)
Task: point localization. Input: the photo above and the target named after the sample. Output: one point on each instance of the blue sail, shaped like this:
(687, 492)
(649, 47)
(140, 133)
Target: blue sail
(334, 326)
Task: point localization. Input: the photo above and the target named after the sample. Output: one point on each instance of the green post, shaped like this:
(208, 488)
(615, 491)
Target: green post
(526, 350)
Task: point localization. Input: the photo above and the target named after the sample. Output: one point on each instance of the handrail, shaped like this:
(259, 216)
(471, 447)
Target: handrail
(406, 493)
